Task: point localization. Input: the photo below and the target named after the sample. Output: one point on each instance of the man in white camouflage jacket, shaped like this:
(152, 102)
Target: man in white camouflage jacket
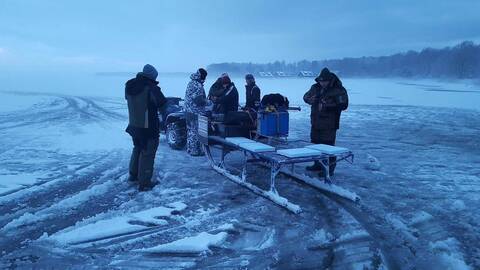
(195, 102)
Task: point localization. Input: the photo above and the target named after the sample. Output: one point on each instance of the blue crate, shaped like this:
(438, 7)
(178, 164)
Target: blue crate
(273, 124)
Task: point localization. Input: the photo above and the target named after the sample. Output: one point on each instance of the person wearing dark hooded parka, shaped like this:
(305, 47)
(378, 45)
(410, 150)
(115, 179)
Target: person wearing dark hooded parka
(228, 100)
(328, 98)
(144, 99)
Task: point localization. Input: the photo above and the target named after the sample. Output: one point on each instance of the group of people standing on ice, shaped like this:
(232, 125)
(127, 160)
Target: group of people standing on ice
(222, 97)
(327, 97)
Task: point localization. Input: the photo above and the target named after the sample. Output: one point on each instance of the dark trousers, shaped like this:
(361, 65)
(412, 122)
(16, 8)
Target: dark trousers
(142, 159)
(328, 136)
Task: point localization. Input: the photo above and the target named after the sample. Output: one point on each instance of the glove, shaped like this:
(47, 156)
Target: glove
(209, 106)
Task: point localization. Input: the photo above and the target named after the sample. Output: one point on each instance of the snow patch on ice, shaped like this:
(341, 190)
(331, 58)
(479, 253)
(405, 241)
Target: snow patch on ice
(179, 206)
(458, 205)
(23, 220)
(130, 222)
(448, 255)
(420, 217)
(195, 244)
(244, 263)
(322, 237)
(372, 163)
(97, 230)
(226, 227)
(11, 181)
(353, 235)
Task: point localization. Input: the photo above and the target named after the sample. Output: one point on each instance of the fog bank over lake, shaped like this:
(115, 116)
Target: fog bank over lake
(393, 91)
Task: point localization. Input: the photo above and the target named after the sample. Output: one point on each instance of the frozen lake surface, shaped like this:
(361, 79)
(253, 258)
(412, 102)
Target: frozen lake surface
(452, 94)
(65, 201)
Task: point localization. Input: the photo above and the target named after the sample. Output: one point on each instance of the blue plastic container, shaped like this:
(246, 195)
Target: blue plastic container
(273, 124)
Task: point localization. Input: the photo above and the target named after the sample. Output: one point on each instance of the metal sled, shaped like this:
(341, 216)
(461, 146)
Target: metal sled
(279, 161)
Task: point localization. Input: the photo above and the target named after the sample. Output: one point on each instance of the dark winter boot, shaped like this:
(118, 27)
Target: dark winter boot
(315, 167)
(147, 187)
(132, 178)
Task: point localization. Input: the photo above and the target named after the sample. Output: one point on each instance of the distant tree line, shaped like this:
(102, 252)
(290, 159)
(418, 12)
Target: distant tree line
(461, 61)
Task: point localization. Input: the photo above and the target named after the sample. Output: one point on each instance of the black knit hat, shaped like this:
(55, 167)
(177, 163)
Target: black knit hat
(249, 77)
(325, 75)
(203, 74)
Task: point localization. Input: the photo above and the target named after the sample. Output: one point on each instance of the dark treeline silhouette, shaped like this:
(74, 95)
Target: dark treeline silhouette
(461, 61)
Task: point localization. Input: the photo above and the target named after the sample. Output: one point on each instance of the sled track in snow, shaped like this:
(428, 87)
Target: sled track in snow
(62, 109)
(65, 175)
(46, 193)
(396, 252)
(56, 216)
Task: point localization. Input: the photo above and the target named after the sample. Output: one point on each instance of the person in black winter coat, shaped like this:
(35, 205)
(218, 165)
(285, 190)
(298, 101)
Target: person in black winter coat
(252, 93)
(228, 101)
(328, 99)
(144, 99)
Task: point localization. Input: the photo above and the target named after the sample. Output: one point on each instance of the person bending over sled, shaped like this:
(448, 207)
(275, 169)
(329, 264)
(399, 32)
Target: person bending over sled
(328, 99)
(228, 100)
(144, 99)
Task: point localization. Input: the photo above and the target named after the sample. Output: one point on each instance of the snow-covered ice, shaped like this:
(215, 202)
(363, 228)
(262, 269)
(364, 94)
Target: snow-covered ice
(65, 201)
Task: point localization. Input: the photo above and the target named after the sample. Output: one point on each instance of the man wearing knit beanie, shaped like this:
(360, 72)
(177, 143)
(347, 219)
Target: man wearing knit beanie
(144, 100)
(150, 72)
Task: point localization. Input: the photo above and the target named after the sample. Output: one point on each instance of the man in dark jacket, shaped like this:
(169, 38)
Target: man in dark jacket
(228, 101)
(328, 99)
(215, 92)
(144, 99)
(252, 93)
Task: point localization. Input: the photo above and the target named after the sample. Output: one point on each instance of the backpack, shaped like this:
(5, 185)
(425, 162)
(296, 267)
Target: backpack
(276, 100)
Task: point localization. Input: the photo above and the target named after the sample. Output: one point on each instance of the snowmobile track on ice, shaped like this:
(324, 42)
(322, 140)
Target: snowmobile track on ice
(46, 194)
(61, 109)
(61, 214)
(396, 251)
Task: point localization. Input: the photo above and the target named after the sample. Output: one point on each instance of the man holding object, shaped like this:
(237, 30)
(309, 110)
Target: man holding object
(328, 99)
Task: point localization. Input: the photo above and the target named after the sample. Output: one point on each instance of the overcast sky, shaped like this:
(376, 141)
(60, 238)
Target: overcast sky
(180, 35)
